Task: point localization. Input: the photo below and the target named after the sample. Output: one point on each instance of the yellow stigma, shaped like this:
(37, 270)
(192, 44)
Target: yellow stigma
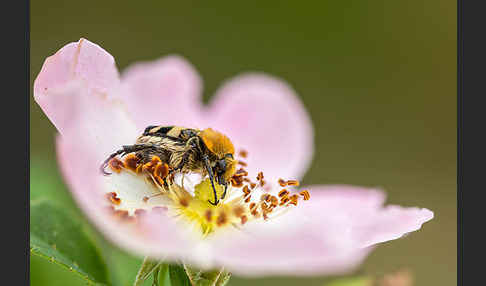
(204, 191)
(197, 209)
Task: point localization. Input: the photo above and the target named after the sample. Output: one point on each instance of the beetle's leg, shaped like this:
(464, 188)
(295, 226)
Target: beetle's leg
(211, 178)
(225, 189)
(125, 150)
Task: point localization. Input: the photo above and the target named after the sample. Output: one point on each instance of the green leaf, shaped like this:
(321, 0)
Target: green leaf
(178, 276)
(45, 273)
(164, 276)
(148, 267)
(209, 278)
(58, 238)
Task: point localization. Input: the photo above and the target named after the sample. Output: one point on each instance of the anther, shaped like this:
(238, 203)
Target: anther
(248, 198)
(139, 169)
(260, 176)
(222, 219)
(283, 193)
(238, 211)
(236, 183)
(132, 161)
(116, 165)
(292, 182)
(241, 173)
(208, 215)
(242, 163)
(246, 190)
(282, 182)
(184, 202)
(112, 197)
(243, 153)
(284, 200)
(264, 207)
(252, 206)
(255, 213)
(273, 201)
(162, 170)
(265, 197)
(244, 219)
(294, 199)
(305, 194)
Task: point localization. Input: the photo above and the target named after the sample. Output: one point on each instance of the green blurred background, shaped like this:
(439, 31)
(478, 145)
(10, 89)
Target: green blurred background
(378, 78)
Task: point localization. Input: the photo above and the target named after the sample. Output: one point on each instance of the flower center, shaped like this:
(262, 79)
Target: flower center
(245, 201)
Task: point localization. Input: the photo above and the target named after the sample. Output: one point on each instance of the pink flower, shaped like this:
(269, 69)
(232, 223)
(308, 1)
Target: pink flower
(96, 111)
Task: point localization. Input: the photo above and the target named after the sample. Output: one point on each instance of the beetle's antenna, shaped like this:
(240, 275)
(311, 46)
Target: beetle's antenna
(211, 178)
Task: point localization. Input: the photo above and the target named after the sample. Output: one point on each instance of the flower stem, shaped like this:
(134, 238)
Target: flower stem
(148, 266)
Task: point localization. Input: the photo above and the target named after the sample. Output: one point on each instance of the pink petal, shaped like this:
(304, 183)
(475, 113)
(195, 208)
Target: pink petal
(264, 116)
(76, 63)
(330, 233)
(363, 210)
(164, 92)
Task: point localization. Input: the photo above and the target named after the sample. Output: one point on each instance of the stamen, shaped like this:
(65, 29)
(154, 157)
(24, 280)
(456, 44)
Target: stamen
(162, 170)
(242, 163)
(150, 166)
(294, 199)
(222, 219)
(264, 206)
(305, 194)
(283, 193)
(112, 197)
(116, 165)
(241, 173)
(208, 215)
(244, 219)
(246, 190)
(132, 161)
(282, 182)
(236, 183)
(255, 213)
(184, 202)
(238, 211)
(260, 176)
(243, 153)
(284, 200)
(262, 182)
(273, 201)
(292, 182)
(248, 198)
(265, 197)
(139, 169)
